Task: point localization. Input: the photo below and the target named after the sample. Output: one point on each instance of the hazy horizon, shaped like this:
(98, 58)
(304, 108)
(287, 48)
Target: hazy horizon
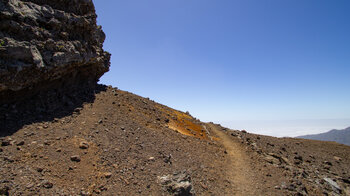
(288, 128)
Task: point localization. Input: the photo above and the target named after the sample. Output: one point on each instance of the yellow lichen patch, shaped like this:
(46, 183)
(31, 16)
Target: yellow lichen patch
(184, 123)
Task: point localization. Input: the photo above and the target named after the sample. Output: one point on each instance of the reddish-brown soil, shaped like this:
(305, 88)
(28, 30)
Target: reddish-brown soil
(111, 142)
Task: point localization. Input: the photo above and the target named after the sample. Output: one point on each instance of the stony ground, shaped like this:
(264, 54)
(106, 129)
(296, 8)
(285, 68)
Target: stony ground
(110, 142)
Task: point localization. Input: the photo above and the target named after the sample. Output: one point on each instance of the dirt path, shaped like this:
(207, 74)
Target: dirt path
(239, 173)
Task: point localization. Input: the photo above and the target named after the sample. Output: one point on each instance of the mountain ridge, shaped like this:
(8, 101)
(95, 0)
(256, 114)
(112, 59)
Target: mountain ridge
(341, 136)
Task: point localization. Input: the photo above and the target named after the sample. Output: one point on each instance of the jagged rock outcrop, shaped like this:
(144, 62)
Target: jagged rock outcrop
(48, 44)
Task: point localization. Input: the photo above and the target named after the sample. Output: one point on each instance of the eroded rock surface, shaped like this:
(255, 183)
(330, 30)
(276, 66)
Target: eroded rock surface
(48, 44)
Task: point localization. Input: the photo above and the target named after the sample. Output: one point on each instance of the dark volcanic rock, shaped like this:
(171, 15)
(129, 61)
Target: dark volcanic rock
(48, 44)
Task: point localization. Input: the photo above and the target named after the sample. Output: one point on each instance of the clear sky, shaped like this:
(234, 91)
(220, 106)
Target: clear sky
(234, 61)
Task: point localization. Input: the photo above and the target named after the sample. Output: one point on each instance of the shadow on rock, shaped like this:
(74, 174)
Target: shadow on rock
(45, 106)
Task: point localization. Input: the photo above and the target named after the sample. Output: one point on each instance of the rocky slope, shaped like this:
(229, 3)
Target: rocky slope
(340, 136)
(48, 44)
(111, 142)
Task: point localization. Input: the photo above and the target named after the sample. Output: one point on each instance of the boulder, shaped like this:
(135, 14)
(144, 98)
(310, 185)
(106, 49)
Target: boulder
(177, 184)
(49, 44)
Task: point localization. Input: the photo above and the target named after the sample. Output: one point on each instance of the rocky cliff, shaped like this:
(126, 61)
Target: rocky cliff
(47, 45)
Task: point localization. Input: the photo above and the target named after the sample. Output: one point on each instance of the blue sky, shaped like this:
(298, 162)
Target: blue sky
(233, 60)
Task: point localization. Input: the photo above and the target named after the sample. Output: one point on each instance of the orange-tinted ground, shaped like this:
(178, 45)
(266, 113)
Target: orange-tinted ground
(184, 123)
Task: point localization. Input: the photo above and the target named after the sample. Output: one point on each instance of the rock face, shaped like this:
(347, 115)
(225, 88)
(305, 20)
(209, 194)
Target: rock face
(48, 44)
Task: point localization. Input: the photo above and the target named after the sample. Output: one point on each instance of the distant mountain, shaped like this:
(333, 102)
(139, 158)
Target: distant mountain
(340, 136)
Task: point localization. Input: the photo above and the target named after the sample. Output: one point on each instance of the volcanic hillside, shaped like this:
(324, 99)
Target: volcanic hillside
(63, 134)
(111, 142)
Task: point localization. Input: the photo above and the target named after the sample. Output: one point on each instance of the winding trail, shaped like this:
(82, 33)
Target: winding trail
(239, 173)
